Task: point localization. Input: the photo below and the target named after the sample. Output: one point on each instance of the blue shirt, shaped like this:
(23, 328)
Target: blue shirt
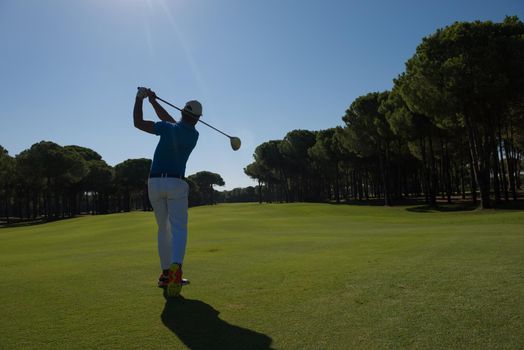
(174, 147)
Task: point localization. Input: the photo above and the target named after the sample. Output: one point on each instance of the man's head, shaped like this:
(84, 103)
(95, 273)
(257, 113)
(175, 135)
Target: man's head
(192, 112)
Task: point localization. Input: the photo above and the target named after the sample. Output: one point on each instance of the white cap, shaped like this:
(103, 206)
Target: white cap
(194, 107)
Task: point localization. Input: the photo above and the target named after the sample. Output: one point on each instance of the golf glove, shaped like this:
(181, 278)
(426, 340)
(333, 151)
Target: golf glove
(142, 93)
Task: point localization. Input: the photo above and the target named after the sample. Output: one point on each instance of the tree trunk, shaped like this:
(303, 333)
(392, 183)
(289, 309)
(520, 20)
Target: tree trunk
(337, 182)
(366, 186)
(425, 173)
(496, 166)
(433, 175)
(447, 171)
(387, 200)
(127, 200)
(502, 166)
(7, 206)
(480, 165)
(511, 169)
(462, 181)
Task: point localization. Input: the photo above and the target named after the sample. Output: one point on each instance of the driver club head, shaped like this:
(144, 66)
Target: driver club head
(235, 143)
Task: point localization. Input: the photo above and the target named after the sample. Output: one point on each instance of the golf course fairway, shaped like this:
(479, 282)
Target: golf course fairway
(282, 276)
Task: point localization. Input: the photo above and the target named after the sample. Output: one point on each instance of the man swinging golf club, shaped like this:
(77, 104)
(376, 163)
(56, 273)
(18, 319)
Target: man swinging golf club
(168, 192)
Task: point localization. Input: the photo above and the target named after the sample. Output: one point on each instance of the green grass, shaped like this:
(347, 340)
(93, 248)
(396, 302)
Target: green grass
(297, 276)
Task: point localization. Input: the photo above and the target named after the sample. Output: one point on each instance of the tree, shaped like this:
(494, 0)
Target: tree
(94, 163)
(256, 171)
(194, 196)
(271, 160)
(294, 149)
(205, 180)
(327, 155)
(419, 131)
(369, 134)
(247, 194)
(468, 74)
(98, 185)
(7, 176)
(52, 169)
(86, 153)
(131, 180)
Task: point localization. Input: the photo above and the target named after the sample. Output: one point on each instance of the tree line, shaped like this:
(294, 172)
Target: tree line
(49, 182)
(452, 125)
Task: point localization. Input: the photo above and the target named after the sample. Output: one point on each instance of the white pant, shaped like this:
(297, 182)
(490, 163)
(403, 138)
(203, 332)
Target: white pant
(168, 197)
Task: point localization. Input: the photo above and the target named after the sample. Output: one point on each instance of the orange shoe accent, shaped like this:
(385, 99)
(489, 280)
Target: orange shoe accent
(174, 285)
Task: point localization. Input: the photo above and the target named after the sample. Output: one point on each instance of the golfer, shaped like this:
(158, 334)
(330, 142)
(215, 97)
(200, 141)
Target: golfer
(167, 189)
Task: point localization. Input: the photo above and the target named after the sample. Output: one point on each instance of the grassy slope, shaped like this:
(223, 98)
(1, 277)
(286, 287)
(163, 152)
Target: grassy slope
(304, 276)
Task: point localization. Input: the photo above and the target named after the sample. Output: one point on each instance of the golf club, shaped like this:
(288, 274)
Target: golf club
(235, 141)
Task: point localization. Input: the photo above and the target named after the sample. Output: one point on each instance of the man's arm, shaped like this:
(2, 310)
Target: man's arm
(138, 118)
(159, 110)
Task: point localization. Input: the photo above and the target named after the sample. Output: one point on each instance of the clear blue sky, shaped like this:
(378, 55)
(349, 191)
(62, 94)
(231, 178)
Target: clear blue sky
(69, 69)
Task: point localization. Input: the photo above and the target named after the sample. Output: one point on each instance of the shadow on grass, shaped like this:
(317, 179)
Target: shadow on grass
(14, 222)
(20, 223)
(442, 208)
(378, 202)
(198, 326)
(511, 205)
(465, 206)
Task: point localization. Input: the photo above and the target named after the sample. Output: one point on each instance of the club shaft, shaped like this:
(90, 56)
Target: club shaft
(200, 120)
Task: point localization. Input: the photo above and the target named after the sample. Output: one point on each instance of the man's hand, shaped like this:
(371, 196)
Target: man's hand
(151, 94)
(142, 93)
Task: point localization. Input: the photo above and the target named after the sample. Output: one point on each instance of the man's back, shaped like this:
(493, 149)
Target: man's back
(174, 147)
